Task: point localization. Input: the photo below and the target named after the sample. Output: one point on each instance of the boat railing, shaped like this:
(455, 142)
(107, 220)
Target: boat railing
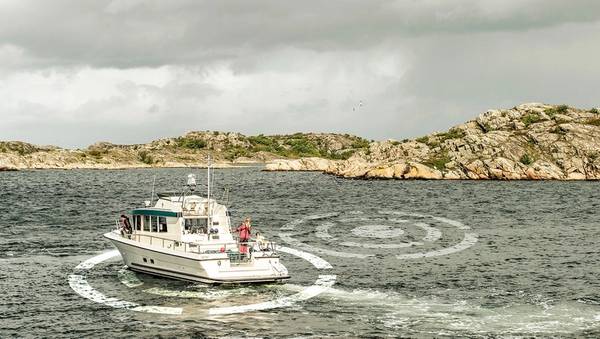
(231, 248)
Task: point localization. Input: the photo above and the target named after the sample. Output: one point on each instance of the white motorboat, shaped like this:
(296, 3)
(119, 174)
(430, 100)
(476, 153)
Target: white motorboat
(189, 237)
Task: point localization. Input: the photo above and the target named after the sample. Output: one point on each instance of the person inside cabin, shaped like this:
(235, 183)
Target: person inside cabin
(125, 225)
(245, 232)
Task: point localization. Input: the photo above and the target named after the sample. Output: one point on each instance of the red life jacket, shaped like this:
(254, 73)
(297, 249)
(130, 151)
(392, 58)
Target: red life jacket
(244, 232)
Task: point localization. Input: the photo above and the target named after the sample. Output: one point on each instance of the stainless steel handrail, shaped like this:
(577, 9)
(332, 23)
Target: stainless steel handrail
(193, 247)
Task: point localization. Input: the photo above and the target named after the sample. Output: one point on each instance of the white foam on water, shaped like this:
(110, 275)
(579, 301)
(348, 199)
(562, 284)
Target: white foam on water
(93, 261)
(289, 239)
(461, 315)
(385, 246)
(322, 283)
(128, 278)
(80, 285)
(322, 230)
(322, 216)
(432, 233)
(210, 293)
(454, 223)
(469, 240)
(377, 231)
(311, 258)
(159, 309)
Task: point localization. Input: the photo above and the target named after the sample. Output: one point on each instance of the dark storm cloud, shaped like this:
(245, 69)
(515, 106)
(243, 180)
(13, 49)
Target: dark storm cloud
(150, 33)
(75, 72)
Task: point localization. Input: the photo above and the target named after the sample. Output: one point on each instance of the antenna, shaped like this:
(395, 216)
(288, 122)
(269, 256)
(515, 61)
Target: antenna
(152, 194)
(208, 191)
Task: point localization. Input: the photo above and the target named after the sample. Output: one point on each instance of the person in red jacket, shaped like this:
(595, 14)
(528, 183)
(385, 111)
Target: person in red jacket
(245, 232)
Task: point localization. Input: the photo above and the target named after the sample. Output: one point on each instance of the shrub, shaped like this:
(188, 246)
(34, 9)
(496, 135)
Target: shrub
(236, 152)
(526, 159)
(360, 143)
(191, 143)
(530, 118)
(97, 153)
(145, 157)
(594, 110)
(422, 140)
(340, 156)
(560, 109)
(439, 161)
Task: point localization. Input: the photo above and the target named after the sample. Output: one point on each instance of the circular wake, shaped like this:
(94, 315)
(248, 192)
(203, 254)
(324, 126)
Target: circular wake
(383, 225)
(80, 285)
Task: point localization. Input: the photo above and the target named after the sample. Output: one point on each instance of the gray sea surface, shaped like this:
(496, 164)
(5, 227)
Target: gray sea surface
(410, 258)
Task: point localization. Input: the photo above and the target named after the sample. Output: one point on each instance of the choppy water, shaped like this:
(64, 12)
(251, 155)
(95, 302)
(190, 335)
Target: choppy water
(531, 269)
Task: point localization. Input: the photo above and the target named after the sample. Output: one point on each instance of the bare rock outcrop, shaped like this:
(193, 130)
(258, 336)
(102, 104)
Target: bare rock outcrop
(527, 142)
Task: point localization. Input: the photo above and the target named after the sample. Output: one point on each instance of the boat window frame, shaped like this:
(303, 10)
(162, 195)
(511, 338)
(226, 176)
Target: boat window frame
(194, 224)
(137, 222)
(162, 225)
(154, 223)
(146, 223)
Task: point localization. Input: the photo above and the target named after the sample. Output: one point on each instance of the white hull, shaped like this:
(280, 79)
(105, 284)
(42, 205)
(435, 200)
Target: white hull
(207, 268)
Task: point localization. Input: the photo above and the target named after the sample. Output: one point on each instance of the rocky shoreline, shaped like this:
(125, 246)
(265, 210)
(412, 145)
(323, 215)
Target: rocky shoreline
(527, 142)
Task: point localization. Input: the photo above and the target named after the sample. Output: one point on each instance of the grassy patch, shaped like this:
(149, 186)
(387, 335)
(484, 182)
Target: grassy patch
(454, 133)
(526, 159)
(439, 161)
(530, 118)
(560, 109)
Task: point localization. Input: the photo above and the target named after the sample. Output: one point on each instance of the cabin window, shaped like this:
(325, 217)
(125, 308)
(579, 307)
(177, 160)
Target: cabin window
(154, 224)
(162, 224)
(137, 222)
(147, 223)
(196, 225)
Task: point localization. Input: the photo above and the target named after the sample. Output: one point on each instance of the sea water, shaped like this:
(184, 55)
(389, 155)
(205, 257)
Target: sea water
(406, 258)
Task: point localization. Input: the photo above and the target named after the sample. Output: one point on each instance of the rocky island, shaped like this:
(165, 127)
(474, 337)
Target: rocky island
(191, 150)
(529, 141)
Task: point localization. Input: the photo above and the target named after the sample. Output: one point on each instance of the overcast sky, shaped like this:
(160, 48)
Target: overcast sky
(130, 71)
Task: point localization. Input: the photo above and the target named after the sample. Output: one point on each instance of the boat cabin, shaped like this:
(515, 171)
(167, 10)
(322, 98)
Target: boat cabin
(183, 218)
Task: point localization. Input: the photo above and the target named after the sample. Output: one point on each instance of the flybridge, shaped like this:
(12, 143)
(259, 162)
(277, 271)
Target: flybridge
(156, 212)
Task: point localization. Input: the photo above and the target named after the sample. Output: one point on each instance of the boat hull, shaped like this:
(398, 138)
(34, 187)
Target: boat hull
(212, 269)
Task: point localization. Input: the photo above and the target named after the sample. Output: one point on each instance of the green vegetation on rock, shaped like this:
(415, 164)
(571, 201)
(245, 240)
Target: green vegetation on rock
(560, 109)
(526, 159)
(191, 143)
(439, 161)
(530, 118)
(146, 157)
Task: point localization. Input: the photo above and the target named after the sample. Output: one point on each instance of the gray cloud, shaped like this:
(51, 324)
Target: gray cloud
(74, 72)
